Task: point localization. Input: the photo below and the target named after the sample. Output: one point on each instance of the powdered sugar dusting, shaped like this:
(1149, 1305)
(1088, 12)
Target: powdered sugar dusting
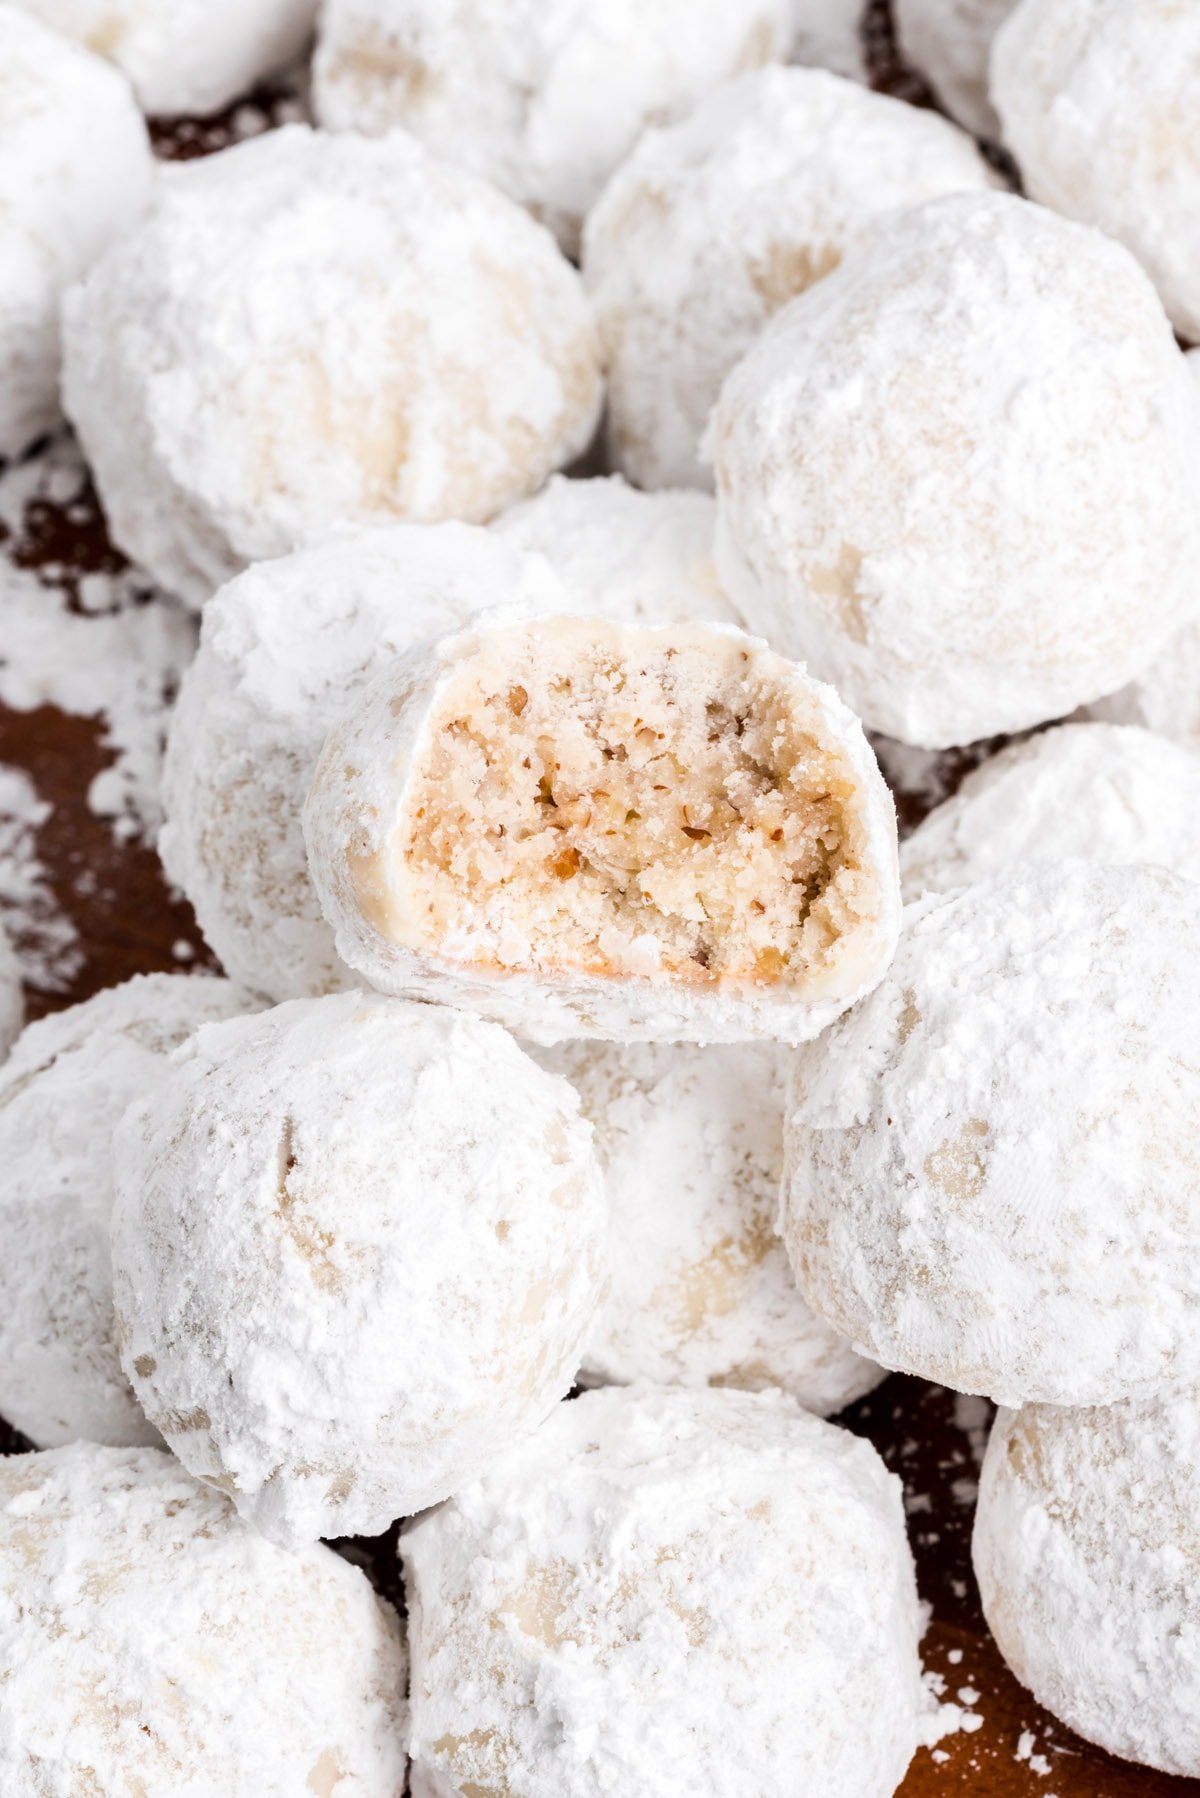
(46, 942)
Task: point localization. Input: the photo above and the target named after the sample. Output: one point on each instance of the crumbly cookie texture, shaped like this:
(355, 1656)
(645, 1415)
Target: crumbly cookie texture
(1106, 792)
(75, 173)
(311, 329)
(1097, 99)
(585, 828)
(712, 225)
(665, 1593)
(1085, 1554)
(827, 34)
(991, 1164)
(191, 56)
(283, 647)
(644, 558)
(543, 97)
(691, 1144)
(62, 1091)
(152, 1644)
(897, 464)
(950, 43)
(12, 996)
(358, 1246)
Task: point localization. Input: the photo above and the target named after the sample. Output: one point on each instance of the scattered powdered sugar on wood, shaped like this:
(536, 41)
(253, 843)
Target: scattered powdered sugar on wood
(46, 942)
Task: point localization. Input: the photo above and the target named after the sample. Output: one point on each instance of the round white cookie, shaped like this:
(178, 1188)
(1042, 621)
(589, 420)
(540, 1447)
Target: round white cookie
(312, 329)
(711, 226)
(1106, 792)
(75, 173)
(691, 1144)
(644, 558)
(62, 1092)
(12, 996)
(991, 1165)
(282, 648)
(1085, 1553)
(1097, 99)
(950, 42)
(587, 828)
(665, 1593)
(543, 97)
(152, 1644)
(192, 56)
(358, 1247)
(897, 464)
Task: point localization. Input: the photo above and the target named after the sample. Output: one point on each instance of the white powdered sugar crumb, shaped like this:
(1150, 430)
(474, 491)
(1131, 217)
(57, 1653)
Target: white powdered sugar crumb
(46, 942)
(99, 644)
(973, 1415)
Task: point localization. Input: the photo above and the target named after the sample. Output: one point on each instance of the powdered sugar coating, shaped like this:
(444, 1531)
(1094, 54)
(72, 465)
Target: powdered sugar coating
(897, 463)
(1106, 792)
(1166, 696)
(950, 42)
(711, 226)
(12, 997)
(543, 97)
(62, 1091)
(1085, 1554)
(1097, 101)
(642, 557)
(665, 1593)
(75, 172)
(827, 34)
(358, 819)
(691, 1144)
(186, 55)
(357, 1248)
(152, 1644)
(283, 648)
(991, 1164)
(311, 329)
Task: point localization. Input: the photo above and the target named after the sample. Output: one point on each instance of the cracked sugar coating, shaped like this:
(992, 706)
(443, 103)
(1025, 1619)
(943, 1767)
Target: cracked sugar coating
(62, 1092)
(283, 646)
(1106, 792)
(152, 1644)
(950, 42)
(586, 828)
(358, 1246)
(12, 997)
(1098, 104)
(312, 329)
(666, 1593)
(898, 460)
(543, 97)
(192, 56)
(75, 172)
(991, 1166)
(691, 1144)
(644, 558)
(1085, 1553)
(710, 227)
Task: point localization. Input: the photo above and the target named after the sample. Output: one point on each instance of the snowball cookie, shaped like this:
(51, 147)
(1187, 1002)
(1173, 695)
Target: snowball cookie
(152, 1644)
(62, 1091)
(282, 648)
(664, 1593)
(991, 1167)
(75, 172)
(585, 828)
(711, 226)
(949, 42)
(645, 558)
(1166, 696)
(1085, 1553)
(190, 56)
(1097, 99)
(1106, 792)
(12, 997)
(827, 34)
(311, 329)
(543, 97)
(898, 462)
(691, 1143)
(357, 1247)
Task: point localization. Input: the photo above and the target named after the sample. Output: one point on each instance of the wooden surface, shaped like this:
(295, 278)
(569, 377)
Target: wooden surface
(127, 923)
